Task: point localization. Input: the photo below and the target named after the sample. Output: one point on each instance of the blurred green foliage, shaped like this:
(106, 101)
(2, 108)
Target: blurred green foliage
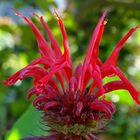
(18, 47)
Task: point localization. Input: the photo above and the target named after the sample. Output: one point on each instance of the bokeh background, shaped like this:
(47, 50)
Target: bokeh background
(18, 47)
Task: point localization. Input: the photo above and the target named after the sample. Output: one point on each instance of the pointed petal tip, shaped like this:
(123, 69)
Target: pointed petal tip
(9, 82)
(55, 13)
(105, 14)
(30, 94)
(17, 13)
(35, 14)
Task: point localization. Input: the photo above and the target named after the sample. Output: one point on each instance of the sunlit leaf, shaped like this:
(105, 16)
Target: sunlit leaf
(29, 124)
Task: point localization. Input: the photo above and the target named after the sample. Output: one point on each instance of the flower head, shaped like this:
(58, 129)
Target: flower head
(72, 111)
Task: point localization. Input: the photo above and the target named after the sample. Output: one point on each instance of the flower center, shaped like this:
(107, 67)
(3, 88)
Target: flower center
(80, 129)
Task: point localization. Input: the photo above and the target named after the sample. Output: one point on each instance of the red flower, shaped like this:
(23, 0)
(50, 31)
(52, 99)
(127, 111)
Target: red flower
(72, 111)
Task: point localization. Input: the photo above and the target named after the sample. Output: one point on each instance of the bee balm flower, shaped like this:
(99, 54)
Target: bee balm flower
(70, 110)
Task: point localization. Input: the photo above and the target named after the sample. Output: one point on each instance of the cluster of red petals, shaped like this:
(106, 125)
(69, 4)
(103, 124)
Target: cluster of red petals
(70, 96)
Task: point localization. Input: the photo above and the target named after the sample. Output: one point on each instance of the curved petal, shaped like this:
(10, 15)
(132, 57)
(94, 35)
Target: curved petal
(53, 70)
(111, 61)
(39, 99)
(134, 93)
(31, 92)
(50, 104)
(54, 43)
(35, 71)
(101, 106)
(111, 86)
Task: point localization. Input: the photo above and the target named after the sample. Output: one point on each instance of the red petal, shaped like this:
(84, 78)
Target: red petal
(110, 105)
(134, 93)
(96, 74)
(39, 99)
(66, 55)
(78, 71)
(94, 57)
(79, 108)
(55, 86)
(88, 76)
(60, 78)
(114, 56)
(49, 92)
(68, 71)
(35, 71)
(17, 76)
(99, 62)
(72, 84)
(93, 46)
(93, 85)
(12, 79)
(54, 69)
(42, 44)
(100, 106)
(54, 43)
(111, 86)
(72, 87)
(65, 39)
(31, 92)
(49, 105)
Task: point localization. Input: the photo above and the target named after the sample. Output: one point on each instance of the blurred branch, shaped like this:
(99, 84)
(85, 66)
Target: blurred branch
(130, 5)
(90, 4)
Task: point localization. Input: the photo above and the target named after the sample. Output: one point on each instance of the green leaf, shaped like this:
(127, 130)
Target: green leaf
(29, 124)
